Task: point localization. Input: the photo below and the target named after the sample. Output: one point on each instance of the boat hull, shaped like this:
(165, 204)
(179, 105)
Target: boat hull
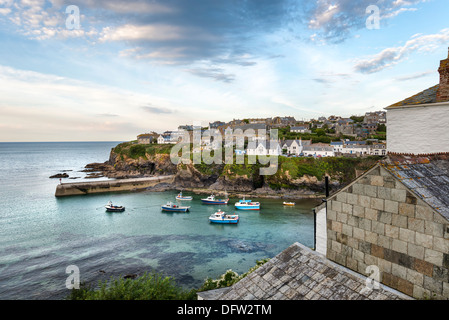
(184, 198)
(248, 207)
(174, 209)
(120, 209)
(224, 221)
(214, 201)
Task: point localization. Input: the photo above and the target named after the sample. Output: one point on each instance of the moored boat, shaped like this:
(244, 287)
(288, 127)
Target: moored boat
(288, 203)
(247, 205)
(174, 207)
(111, 208)
(221, 217)
(212, 200)
(184, 198)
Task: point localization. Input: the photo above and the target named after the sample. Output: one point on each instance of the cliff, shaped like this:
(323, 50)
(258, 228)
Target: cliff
(295, 177)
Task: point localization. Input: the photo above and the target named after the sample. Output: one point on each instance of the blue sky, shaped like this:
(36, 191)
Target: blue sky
(138, 66)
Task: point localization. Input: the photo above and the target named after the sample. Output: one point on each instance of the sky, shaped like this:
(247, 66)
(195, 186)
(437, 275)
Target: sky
(108, 70)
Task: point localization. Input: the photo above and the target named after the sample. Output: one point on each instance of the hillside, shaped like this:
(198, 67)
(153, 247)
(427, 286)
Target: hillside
(299, 176)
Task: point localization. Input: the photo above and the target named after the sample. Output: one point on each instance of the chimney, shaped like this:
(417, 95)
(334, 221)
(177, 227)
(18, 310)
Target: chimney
(443, 89)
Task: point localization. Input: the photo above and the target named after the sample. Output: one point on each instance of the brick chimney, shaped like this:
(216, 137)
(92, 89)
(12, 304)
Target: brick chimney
(443, 89)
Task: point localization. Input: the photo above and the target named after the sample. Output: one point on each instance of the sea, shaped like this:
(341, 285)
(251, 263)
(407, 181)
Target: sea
(43, 239)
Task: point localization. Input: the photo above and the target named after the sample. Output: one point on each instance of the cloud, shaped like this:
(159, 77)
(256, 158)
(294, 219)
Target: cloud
(392, 56)
(415, 76)
(214, 73)
(334, 20)
(156, 110)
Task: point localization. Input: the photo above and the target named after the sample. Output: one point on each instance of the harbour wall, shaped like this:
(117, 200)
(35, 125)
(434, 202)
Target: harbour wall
(80, 188)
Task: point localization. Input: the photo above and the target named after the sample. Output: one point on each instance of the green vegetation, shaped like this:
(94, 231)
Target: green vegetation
(153, 286)
(150, 286)
(134, 150)
(342, 169)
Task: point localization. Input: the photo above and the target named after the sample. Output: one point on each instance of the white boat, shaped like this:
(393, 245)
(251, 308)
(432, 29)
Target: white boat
(288, 203)
(211, 200)
(111, 208)
(247, 205)
(174, 207)
(185, 198)
(221, 217)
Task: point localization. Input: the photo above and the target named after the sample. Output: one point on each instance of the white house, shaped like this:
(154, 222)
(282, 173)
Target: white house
(378, 149)
(300, 129)
(419, 124)
(318, 150)
(264, 148)
(294, 146)
(356, 149)
(165, 138)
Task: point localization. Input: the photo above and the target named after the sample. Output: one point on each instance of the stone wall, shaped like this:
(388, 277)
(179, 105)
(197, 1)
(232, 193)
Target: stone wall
(377, 221)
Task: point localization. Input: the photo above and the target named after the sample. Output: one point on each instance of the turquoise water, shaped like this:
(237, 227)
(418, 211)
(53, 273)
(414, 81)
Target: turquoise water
(41, 235)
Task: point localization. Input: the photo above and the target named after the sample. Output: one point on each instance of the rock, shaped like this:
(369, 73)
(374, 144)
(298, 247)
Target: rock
(130, 276)
(59, 175)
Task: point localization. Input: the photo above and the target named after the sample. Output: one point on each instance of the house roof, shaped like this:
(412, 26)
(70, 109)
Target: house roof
(299, 273)
(423, 97)
(426, 176)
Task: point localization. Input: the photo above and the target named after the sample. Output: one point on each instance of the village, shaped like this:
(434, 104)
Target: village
(355, 136)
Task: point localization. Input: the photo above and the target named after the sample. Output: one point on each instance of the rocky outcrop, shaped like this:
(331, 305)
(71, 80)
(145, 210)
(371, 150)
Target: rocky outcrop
(294, 177)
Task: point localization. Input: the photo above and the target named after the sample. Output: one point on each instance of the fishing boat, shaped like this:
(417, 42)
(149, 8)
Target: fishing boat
(185, 198)
(212, 200)
(174, 207)
(221, 217)
(111, 208)
(288, 203)
(247, 205)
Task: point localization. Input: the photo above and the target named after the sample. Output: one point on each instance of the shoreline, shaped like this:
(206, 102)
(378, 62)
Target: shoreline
(166, 183)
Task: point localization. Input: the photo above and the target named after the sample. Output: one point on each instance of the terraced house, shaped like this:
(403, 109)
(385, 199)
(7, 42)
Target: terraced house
(395, 216)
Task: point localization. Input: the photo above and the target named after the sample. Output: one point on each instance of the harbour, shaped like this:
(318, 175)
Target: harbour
(119, 185)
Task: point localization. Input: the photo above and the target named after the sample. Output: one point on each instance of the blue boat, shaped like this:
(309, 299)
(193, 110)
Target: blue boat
(247, 205)
(221, 217)
(211, 200)
(174, 207)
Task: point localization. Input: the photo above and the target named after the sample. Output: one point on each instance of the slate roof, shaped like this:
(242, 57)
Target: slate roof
(423, 97)
(427, 176)
(299, 273)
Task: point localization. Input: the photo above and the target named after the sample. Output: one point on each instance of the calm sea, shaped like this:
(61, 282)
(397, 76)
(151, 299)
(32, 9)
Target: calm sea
(41, 235)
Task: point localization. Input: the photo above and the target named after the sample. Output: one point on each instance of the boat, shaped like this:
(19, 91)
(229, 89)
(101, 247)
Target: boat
(247, 205)
(185, 198)
(111, 208)
(174, 207)
(212, 200)
(221, 217)
(288, 203)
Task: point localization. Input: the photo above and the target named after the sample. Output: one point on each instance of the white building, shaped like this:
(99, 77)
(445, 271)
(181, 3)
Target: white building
(300, 129)
(294, 146)
(264, 148)
(419, 124)
(318, 150)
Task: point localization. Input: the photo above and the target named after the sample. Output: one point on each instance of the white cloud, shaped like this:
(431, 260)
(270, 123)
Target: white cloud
(392, 56)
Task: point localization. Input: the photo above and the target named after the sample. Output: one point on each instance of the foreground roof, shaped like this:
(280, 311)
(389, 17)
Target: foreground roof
(299, 273)
(426, 175)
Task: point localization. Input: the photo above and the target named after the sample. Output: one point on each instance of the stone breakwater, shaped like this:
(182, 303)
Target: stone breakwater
(80, 188)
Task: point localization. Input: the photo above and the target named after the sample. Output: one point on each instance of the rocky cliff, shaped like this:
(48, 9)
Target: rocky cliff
(295, 177)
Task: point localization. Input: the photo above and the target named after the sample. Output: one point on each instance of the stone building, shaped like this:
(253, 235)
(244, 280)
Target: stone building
(395, 217)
